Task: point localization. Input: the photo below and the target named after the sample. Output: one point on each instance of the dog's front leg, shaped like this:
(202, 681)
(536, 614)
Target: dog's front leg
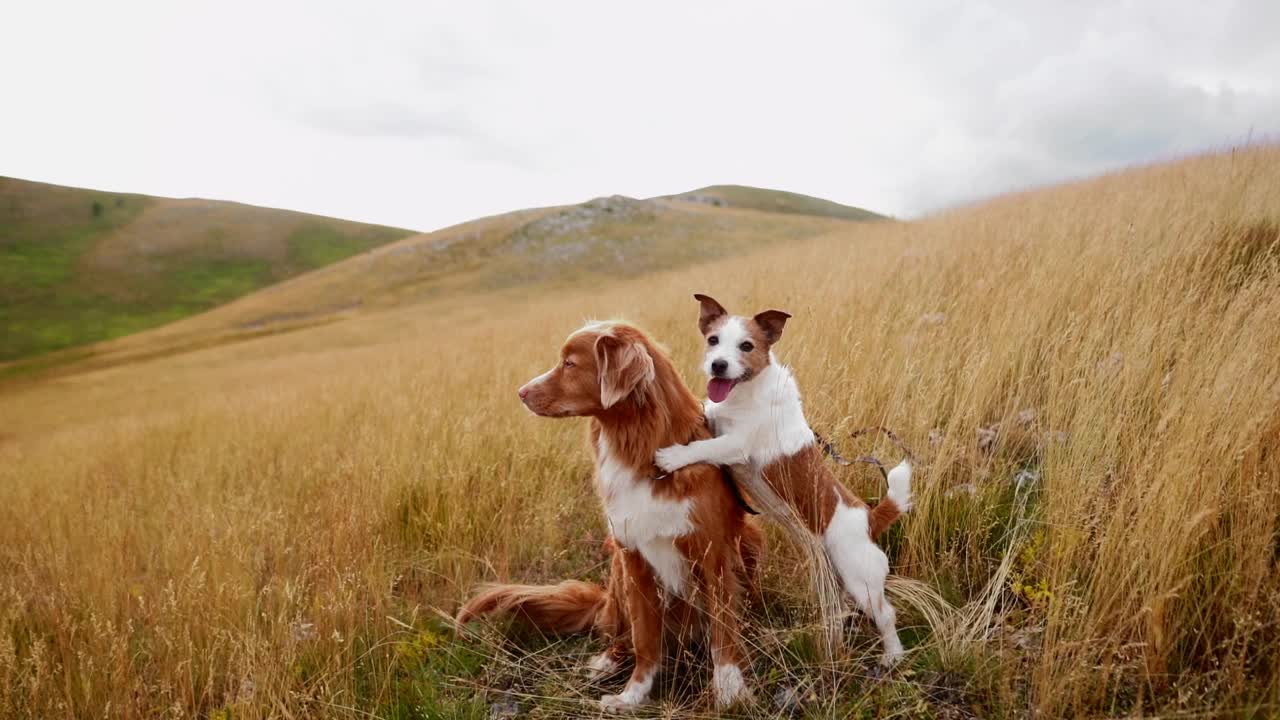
(723, 450)
(645, 608)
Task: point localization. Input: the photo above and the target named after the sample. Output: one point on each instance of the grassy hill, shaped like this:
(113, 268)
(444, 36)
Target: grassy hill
(78, 266)
(281, 525)
(778, 201)
(599, 241)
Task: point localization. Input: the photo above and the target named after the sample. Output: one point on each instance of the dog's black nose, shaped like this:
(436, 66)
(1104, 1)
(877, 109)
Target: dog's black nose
(718, 367)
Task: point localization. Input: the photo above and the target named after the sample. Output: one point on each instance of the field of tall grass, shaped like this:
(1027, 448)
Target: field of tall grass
(1090, 374)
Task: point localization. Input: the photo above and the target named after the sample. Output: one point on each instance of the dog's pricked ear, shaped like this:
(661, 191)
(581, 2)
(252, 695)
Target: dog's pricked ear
(624, 366)
(709, 313)
(771, 322)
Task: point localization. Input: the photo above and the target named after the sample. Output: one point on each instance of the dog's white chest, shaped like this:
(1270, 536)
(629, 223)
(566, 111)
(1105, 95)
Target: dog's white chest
(643, 522)
(766, 415)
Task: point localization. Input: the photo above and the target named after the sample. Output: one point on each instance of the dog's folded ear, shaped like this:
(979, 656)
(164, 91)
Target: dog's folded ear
(624, 366)
(771, 322)
(709, 313)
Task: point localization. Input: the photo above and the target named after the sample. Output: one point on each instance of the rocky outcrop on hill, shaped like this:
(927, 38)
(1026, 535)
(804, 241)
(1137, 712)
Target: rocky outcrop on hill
(583, 218)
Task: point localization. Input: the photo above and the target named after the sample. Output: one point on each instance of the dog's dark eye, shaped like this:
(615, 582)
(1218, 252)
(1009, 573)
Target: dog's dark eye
(568, 363)
(713, 340)
(746, 347)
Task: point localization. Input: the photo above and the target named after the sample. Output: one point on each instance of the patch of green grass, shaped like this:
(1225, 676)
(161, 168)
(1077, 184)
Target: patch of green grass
(41, 308)
(429, 678)
(39, 252)
(198, 286)
(74, 315)
(316, 244)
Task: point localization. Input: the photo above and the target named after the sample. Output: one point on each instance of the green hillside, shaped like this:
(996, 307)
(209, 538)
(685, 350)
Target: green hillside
(79, 266)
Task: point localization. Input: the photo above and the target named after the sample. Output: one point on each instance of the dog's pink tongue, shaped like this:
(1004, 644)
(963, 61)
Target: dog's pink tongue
(718, 389)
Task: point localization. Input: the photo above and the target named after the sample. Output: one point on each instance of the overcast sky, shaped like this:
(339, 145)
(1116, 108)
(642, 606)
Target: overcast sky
(421, 115)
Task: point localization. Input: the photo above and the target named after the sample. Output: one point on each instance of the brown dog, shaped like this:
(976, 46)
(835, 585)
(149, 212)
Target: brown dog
(684, 549)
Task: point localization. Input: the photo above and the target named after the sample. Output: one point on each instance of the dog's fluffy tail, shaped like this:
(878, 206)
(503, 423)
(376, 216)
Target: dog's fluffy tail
(894, 503)
(568, 607)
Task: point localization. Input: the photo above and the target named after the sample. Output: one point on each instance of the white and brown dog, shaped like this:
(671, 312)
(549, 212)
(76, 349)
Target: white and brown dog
(753, 407)
(682, 550)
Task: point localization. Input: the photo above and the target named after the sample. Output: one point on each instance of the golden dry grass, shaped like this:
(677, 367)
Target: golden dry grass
(264, 529)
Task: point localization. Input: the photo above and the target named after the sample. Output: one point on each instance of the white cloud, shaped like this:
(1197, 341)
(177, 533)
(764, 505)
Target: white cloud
(424, 114)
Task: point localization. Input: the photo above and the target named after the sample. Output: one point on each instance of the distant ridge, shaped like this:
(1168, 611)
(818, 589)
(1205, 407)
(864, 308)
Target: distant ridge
(79, 266)
(779, 201)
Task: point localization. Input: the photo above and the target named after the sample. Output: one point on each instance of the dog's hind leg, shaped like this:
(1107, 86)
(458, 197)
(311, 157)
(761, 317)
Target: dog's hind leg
(886, 618)
(863, 568)
(612, 621)
(724, 590)
(873, 602)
